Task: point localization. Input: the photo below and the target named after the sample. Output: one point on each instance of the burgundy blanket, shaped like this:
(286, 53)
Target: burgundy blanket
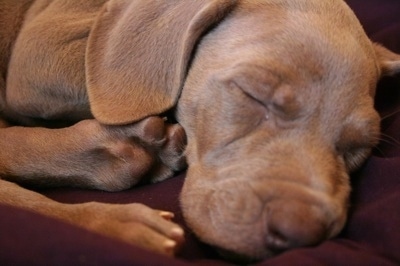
(371, 237)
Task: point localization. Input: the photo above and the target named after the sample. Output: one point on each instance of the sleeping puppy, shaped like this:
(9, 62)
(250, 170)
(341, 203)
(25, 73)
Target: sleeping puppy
(275, 98)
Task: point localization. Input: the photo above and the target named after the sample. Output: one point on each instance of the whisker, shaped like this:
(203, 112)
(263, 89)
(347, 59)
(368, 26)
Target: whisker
(390, 115)
(389, 139)
(384, 138)
(380, 151)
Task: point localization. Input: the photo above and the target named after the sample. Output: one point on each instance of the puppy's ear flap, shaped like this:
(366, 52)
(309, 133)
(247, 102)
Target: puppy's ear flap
(389, 61)
(138, 54)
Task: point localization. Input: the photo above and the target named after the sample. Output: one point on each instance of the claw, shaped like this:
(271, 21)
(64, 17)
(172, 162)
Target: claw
(167, 215)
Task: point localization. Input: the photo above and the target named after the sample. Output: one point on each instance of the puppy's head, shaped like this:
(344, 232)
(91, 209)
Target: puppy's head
(278, 109)
(277, 104)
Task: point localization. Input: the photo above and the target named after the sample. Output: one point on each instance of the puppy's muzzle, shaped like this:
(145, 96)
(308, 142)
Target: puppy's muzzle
(260, 208)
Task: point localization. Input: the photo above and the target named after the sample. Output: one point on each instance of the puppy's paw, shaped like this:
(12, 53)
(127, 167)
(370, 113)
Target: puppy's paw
(165, 141)
(124, 164)
(119, 157)
(135, 224)
(150, 131)
(170, 155)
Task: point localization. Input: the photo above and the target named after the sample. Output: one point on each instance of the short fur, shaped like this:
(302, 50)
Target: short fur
(275, 98)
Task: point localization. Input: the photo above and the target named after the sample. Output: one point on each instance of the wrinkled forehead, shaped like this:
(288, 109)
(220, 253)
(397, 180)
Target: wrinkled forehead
(309, 39)
(316, 48)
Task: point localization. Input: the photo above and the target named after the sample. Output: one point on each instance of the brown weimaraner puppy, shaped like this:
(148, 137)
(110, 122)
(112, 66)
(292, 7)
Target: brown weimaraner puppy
(275, 98)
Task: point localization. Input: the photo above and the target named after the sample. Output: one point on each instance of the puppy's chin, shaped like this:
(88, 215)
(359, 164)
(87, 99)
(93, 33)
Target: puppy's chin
(246, 224)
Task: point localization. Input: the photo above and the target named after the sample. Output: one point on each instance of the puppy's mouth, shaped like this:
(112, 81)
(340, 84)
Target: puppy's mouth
(252, 221)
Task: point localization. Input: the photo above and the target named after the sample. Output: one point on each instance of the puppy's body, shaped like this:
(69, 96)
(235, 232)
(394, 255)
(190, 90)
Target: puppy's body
(276, 98)
(43, 86)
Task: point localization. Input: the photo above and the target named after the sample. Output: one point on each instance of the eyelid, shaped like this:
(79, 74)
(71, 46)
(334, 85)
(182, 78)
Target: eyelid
(250, 95)
(281, 102)
(257, 82)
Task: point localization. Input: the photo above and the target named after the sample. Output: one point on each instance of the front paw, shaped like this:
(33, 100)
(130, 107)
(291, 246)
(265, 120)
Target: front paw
(119, 157)
(135, 224)
(170, 154)
(121, 165)
(166, 142)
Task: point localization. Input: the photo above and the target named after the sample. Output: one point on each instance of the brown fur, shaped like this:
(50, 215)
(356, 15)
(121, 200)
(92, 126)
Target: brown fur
(275, 97)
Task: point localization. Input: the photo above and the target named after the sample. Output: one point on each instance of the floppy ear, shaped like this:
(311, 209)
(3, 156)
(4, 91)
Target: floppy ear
(388, 60)
(138, 54)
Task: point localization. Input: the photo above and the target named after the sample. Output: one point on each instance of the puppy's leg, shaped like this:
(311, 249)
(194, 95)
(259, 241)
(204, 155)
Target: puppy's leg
(134, 224)
(171, 153)
(91, 155)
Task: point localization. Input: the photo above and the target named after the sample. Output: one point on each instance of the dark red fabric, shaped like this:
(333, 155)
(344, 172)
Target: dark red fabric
(371, 237)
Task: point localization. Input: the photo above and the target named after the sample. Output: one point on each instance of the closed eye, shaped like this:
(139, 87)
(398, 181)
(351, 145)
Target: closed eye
(250, 95)
(357, 140)
(355, 157)
(355, 149)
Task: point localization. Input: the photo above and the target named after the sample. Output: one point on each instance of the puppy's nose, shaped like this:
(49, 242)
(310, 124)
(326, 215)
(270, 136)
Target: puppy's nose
(294, 224)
